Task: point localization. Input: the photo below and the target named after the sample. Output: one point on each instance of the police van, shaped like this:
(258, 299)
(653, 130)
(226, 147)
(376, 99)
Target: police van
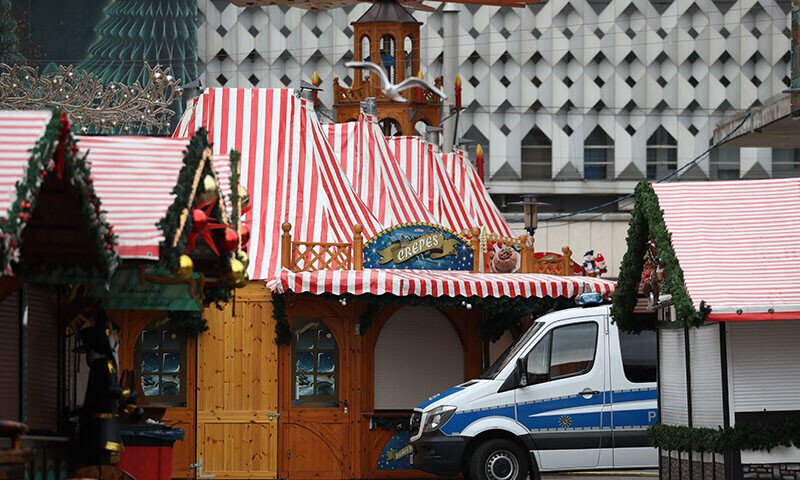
(573, 392)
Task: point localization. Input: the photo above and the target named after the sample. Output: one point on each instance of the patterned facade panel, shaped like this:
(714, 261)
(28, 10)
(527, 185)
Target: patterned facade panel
(564, 66)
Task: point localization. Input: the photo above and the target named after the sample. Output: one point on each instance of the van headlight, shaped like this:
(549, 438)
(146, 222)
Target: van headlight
(437, 417)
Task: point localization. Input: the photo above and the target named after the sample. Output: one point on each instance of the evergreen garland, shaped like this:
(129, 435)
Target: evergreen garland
(283, 333)
(57, 147)
(647, 222)
(742, 436)
(392, 423)
(192, 323)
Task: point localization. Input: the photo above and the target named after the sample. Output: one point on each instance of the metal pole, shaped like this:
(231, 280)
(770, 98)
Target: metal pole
(449, 70)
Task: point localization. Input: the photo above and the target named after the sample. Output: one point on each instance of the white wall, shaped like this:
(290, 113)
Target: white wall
(706, 373)
(672, 377)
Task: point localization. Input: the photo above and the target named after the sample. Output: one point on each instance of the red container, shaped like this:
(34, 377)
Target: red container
(147, 463)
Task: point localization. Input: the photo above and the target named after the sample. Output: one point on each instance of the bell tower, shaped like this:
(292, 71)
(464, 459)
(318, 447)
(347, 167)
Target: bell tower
(388, 35)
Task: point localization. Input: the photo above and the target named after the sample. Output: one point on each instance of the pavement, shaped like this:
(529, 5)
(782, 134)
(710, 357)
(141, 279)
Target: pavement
(603, 475)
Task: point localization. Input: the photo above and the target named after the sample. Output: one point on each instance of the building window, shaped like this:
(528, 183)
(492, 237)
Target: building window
(638, 356)
(785, 162)
(662, 154)
(537, 156)
(160, 361)
(598, 155)
(725, 164)
(315, 364)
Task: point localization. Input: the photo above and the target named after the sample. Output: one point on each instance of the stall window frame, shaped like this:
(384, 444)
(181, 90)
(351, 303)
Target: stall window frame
(160, 324)
(315, 400)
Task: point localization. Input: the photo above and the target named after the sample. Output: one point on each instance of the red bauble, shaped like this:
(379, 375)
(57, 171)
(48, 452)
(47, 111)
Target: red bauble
(229, 240)
(245, 233)
(199, 220)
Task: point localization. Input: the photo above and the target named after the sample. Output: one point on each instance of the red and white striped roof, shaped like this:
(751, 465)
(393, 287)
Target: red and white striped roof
(428, 176)
(473, 191)
(19, 132)
(288, 167)
(738, 243)
(134, 178)
(375, 174)
(439, 283)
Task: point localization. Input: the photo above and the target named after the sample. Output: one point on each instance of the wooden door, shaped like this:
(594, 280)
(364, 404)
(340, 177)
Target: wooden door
(316, 408)
(237, 389)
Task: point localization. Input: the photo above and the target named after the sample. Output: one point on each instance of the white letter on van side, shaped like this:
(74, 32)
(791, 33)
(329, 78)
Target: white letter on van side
(651, 416)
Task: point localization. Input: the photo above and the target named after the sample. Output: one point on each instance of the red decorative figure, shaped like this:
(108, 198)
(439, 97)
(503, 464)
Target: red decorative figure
(479, 161)
(315, 81)
(419, 89)
(458, 92)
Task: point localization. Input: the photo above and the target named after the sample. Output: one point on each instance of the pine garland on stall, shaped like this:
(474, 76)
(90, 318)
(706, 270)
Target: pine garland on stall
(56, 153)
(742, 436)
(647, 223)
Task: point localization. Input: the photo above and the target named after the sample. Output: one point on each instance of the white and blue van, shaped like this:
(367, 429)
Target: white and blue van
(573, 392)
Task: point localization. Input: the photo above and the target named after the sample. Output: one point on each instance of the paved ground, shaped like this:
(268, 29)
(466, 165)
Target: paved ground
(603, 475)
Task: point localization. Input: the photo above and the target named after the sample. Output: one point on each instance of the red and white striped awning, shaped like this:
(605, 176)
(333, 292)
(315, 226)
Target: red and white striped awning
(439, 283)
(19, 132)
(375, 174)
(425, 170)
(737, 243)
(288, 167)
(134, 178)
(472, 190)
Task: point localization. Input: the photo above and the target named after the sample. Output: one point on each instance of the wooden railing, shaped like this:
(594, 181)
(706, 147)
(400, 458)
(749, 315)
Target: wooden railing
(312, 256)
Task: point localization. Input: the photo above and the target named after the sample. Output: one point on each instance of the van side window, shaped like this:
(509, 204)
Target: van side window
(563, 352)
(639, 356)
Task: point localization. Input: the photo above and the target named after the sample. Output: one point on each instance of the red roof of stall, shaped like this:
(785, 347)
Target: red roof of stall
(288, 167)
(439, 283)
(737, 243)
(19, 132)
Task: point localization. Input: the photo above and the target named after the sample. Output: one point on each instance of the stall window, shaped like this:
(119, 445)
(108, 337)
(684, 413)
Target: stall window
(160, 362)
(563, 352)
(315, 360)
(639, 356)
(418, 353)
(42, 375)
(10, 358)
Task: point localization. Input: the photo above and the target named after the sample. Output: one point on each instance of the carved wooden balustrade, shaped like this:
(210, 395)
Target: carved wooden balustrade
(312, 256)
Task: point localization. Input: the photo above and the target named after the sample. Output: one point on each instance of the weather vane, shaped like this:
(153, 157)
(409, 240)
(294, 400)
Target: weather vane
(88, 101)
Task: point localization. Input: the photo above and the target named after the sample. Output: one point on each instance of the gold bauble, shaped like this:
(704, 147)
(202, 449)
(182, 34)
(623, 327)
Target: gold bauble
(209, 189)
(236, 271)
(243, 281)
(185, 268)
(243, 257)
(244, 198)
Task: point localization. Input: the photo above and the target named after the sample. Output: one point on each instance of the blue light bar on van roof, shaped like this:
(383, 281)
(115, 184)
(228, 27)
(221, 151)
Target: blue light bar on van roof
(589, 299)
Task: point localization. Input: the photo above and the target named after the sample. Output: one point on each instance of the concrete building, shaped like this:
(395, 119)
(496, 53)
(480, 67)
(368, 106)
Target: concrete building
(573, 100)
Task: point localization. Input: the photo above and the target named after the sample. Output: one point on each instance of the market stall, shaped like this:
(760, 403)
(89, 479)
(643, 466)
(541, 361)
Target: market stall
(729, 314)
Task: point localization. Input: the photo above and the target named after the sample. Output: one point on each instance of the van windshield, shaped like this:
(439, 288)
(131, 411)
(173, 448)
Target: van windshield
(511, 352)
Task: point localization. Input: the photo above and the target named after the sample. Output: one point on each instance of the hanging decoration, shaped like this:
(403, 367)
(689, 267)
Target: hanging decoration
(185, 268)
(647, 224)
(56, 153)
(88, 101)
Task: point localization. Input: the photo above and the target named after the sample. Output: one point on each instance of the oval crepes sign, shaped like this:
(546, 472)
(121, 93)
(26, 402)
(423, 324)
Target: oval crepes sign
(418, 246)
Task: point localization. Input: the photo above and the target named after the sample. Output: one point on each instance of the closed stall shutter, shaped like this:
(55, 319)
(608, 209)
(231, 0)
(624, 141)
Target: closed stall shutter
(706, 373)
(672, 370)
(765, 361)
(9, 357)
(418, 354)
(42, 376)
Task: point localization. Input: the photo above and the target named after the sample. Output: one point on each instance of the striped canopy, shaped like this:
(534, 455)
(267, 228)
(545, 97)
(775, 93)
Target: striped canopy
(375, 174)
(736, 242)
(288, 167)
(439, 283)
(134, 178)
(470, 187)
(424, 168)
(19, 132)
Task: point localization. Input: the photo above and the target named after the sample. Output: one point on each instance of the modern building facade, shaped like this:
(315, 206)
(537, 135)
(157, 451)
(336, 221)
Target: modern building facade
(573, 100)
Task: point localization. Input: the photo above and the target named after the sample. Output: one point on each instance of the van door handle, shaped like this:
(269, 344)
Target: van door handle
(588, 392)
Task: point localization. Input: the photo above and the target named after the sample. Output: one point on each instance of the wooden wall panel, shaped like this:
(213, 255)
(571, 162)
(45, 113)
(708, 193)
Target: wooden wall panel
(43, 337)
(237, 388)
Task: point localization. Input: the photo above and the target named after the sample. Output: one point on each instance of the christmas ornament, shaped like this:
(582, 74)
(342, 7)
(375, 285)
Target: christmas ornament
(229, 241)
(244, 232)
(199, 220)
(185, 269)
(244, 258)
(209, 189)
(236, 271)
(243, 281)
(244, 198)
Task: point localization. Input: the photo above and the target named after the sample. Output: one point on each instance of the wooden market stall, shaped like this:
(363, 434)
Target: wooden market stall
(54, 233)
(728, 321)
(313, 372)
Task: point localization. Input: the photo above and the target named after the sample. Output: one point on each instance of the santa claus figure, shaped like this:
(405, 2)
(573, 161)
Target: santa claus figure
(600, 263)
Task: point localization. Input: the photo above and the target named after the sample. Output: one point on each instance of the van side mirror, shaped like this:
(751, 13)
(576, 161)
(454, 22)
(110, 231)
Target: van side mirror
(522, 371)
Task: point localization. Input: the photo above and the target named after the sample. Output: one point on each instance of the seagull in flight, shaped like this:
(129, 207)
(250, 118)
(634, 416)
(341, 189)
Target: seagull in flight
(391, 90)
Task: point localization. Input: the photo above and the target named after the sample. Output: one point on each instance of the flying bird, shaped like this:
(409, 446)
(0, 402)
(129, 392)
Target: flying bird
(391, 90)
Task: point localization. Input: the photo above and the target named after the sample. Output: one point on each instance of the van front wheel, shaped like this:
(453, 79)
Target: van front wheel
(498, 459)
